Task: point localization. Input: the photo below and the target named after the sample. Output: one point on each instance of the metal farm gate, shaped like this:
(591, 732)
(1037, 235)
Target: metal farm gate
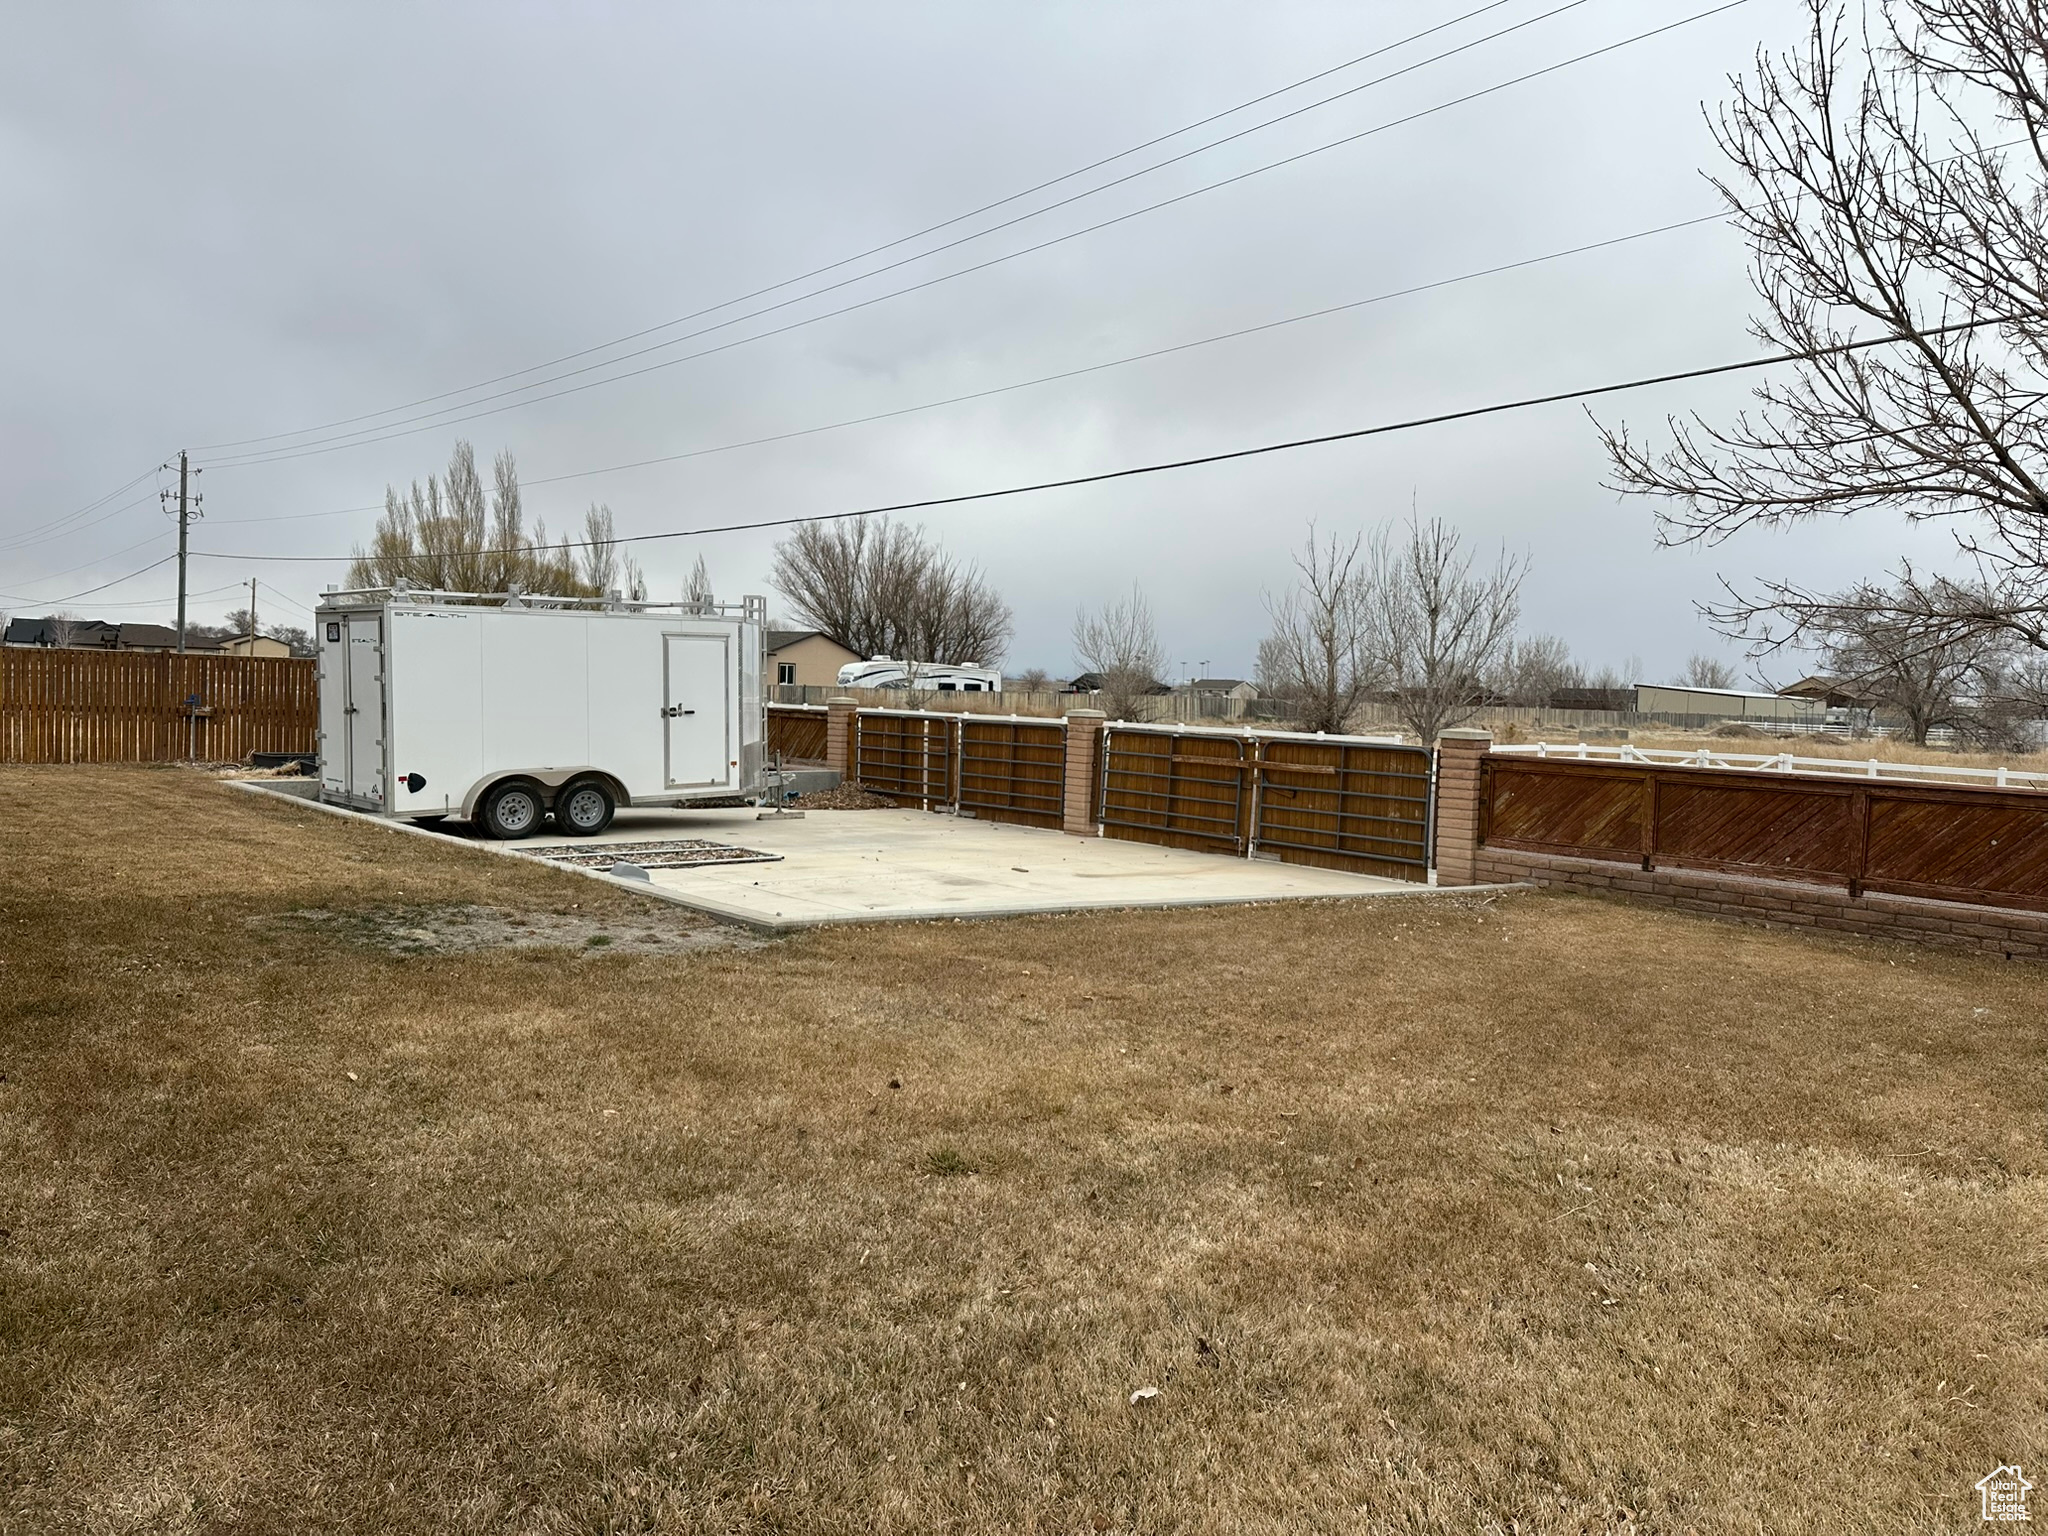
(1339, 802)
(1013, 770)
(1180, 789)
(1344, 804)
(905, 756)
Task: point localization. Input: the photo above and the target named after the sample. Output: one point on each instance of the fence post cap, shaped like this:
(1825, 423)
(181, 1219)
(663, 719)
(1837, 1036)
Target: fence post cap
(842, 699)
(1087, 714)
(1464, 734)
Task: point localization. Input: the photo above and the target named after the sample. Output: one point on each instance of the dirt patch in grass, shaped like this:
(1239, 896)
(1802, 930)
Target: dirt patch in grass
(465, 927)
(1547, 1216)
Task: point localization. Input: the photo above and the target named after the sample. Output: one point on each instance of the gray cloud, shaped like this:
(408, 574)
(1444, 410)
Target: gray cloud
(235, 220)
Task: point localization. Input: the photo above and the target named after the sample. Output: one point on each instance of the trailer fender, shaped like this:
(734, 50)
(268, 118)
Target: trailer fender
(549, 779)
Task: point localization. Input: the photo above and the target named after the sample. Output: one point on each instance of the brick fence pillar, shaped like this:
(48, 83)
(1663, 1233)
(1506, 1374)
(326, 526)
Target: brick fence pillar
(839, 736)
(1084, 741)
(1457, 805)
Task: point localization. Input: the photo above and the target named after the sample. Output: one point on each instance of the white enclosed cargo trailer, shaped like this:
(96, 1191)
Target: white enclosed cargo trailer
(510, 710)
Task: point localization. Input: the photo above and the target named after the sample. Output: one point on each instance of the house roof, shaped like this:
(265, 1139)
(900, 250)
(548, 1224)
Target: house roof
(1094, 682)
(783, 639)
(159, 637)
(1214, 684)
(84, 632)
(1829, 689)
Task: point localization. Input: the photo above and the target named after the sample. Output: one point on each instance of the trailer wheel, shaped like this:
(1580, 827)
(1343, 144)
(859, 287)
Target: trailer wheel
(512, 809)
(585, 808)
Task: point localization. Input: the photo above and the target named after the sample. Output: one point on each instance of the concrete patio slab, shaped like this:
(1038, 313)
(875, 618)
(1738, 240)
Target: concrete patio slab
(879, 866)
(909, 866)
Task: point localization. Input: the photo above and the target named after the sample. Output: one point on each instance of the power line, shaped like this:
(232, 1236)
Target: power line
(384, 432)
(73, 532)
(88, 592)
(387, 433)
(1588, 392)
(930, 229)
(288, 600)
(164, 602)
(95, 560)
(92, 506)
(1051, 378)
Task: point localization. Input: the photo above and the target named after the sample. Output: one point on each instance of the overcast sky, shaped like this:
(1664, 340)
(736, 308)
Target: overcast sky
(232, 221)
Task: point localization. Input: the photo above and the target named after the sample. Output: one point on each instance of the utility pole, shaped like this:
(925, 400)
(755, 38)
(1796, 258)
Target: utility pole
(188, 508)
(252, 615)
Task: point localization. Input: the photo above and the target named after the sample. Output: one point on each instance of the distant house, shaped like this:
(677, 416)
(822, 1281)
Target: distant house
(72, 634)
(159, 637)
(807, 658)
(1220, 687)
(254, 645)
(97, 635)
(1092, 682)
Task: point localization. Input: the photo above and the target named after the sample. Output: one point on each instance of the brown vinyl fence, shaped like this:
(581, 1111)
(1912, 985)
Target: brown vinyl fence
(1953, 843)
(66, 706)
(797, 732)
(1334, 802)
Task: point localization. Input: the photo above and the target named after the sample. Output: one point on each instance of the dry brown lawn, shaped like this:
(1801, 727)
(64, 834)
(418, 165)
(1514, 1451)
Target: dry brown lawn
(1535, 1214)
(1850, 748)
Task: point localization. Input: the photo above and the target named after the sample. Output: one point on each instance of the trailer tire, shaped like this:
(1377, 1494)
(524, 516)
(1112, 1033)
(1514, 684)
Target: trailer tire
(512, 809)
(585, 807)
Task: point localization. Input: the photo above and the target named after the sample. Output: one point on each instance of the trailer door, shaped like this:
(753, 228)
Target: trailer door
(366, 707)
(697, 709)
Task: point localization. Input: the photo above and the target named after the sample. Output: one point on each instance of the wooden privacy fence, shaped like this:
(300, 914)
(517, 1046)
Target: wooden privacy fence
(1336, 802)
(797, 731)
(66, 706)
(1953, 843)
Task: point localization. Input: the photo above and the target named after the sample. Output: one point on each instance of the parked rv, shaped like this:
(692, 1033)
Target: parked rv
(940, 677)
(509, 711)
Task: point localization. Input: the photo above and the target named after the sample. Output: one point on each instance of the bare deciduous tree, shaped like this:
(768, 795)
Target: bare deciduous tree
(1704, 671)
(1438, 627)
(1925, 680)
(881, 589)
(66, 628)
(1531, 670)
(1120, 644)
(1317, 657)
(1877, 210)
(697, 594)
(1610, 680)
(602, 568)
(1033, 680)
(452, 535)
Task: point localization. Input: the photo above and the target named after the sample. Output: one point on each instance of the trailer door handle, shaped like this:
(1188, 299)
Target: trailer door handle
(676, 712)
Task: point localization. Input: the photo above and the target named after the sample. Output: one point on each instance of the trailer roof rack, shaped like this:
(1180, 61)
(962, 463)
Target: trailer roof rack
(751, 608)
